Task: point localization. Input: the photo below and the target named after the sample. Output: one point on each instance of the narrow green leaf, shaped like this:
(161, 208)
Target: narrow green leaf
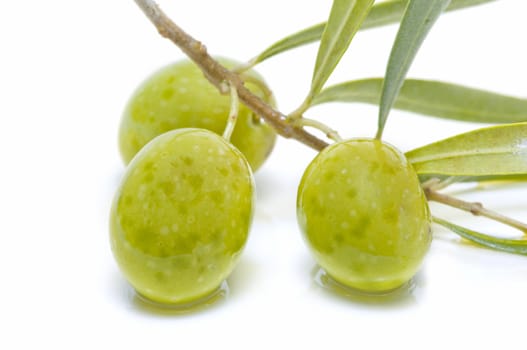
(303, 37)
(481, 179)
(344, 21)
(433, 98)
(515, 246)
(419, 17)
(383, 13)
(389, 12)
(460, 4)
(493, 151)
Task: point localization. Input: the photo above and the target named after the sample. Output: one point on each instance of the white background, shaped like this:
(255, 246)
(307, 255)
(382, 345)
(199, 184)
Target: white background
(66, 71)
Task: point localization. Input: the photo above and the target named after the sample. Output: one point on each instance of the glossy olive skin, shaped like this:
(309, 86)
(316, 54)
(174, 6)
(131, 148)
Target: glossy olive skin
(182, 215)
(179, 96)
(364, 215)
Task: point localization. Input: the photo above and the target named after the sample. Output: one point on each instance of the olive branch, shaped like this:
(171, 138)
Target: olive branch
(457, 159)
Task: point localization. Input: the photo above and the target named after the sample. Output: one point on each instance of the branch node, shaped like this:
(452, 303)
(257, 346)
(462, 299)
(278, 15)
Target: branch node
(475, 208)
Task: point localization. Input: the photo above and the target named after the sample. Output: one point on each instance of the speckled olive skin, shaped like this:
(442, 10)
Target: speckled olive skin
(179, 96)
(364, 215)
(182, 215)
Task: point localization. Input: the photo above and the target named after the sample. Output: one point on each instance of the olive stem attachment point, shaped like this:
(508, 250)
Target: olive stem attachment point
(378, 136)
(436, 184)
(233, 114)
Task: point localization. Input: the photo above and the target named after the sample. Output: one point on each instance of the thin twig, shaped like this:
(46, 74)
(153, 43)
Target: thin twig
(474, 208)
(218, 75)
(430, 183)
(233, 114)
(330, 133)
(436, 184)
(247, 78)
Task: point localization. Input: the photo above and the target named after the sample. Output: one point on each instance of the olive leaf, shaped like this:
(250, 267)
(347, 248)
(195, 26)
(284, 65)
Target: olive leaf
(433, 98)
(515, 246)
(381, 14)
(492, 151)
(344, 21)
(481, 179)
(418, 19)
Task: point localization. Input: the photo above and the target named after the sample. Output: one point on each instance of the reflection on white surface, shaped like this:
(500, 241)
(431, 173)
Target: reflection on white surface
(401, 296)
(210, 300)
(127, 297)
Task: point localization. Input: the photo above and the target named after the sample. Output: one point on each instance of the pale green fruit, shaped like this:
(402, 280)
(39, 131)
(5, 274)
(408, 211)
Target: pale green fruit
(364, 215)
(179, 96)
(181, 215)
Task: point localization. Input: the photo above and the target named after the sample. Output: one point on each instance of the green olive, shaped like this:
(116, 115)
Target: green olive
(181, 215)
(179, 96)
(364, 215)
